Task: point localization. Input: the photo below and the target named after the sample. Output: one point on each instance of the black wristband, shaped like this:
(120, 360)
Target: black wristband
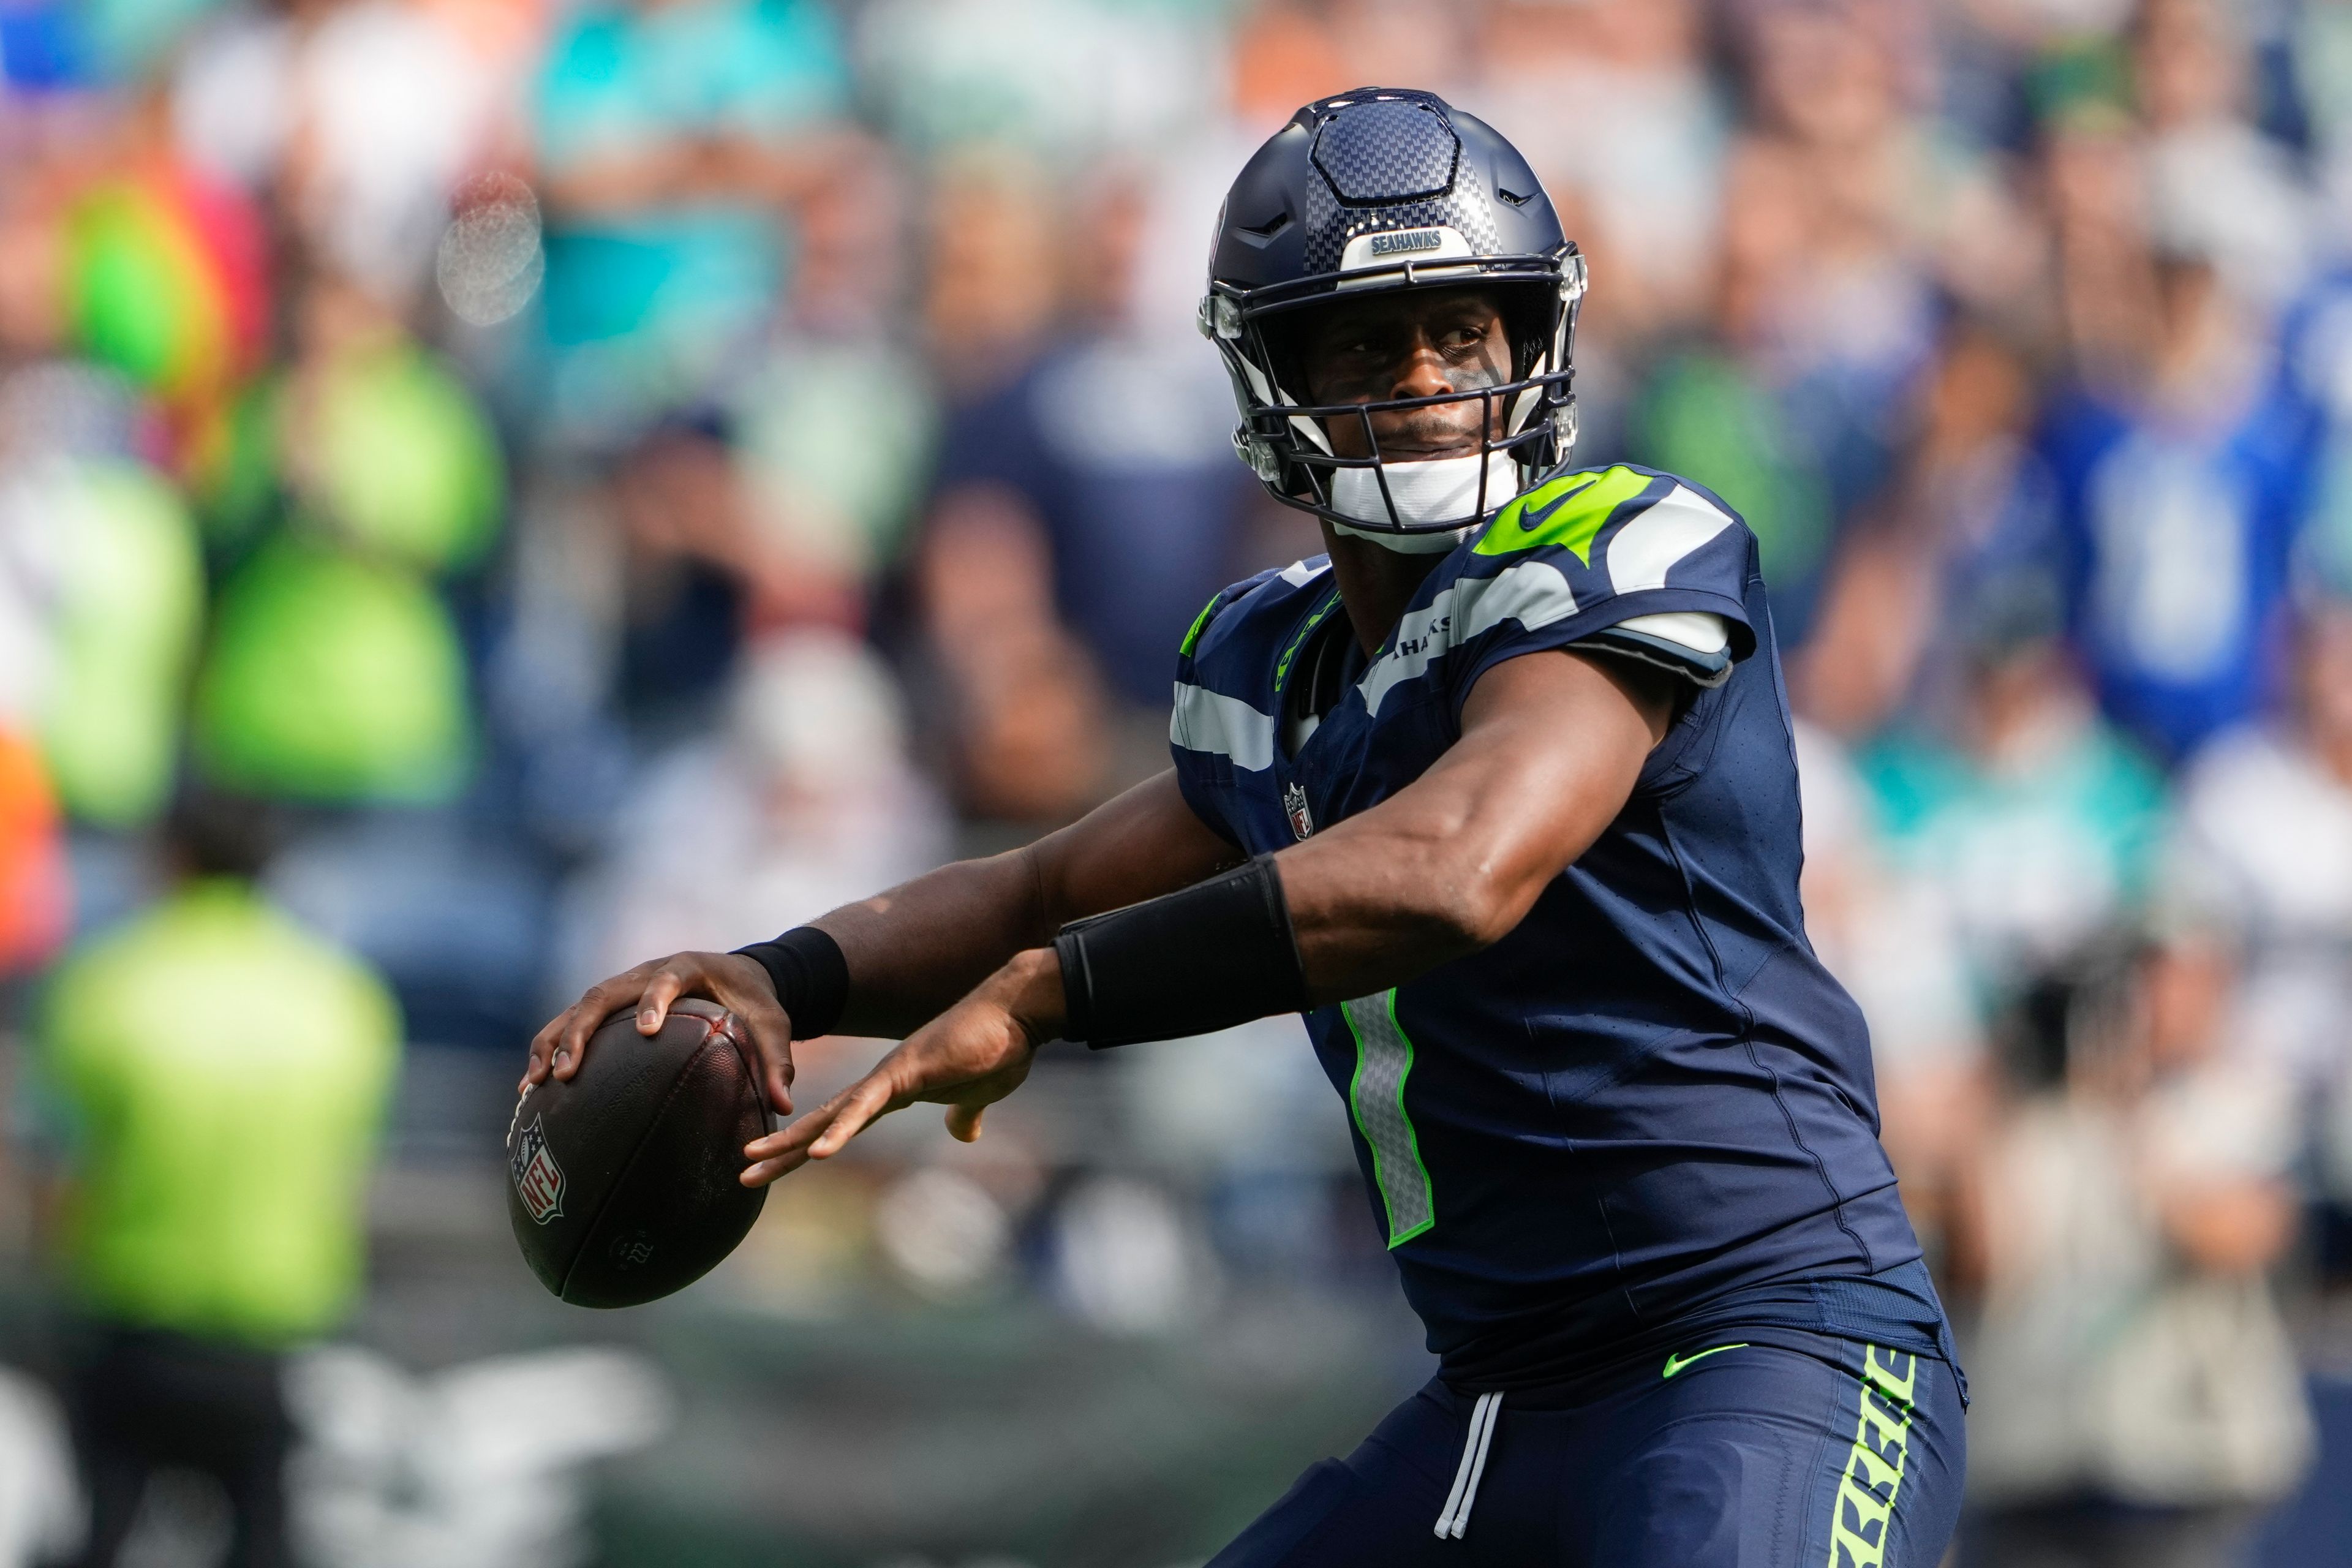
(812, 978)
(1218, 953)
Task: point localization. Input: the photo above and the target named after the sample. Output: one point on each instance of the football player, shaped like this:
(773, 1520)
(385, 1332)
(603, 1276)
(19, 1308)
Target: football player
(1500, 794)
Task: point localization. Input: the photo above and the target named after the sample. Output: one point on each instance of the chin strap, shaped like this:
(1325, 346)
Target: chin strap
(1437, 543)
(1437, 490)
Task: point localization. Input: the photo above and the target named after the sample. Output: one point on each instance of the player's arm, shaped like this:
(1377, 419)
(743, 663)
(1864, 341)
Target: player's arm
(1552, 744)
(912, 951)
(916, 949)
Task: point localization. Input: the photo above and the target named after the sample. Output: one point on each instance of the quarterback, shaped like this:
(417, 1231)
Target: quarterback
(1499, 793)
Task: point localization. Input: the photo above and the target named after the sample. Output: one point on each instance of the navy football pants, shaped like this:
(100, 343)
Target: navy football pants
(1836, 1455)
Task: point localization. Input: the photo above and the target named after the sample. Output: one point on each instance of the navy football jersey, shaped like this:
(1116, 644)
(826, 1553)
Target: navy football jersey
(1650, 1101)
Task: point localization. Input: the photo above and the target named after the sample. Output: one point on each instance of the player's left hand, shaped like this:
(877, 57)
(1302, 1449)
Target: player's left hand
(967, 1059)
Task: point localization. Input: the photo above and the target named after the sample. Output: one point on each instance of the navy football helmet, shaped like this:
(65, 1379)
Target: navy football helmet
(1375, 191)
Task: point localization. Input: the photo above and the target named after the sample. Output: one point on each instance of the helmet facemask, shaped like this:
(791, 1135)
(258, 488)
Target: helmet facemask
(1526, 426)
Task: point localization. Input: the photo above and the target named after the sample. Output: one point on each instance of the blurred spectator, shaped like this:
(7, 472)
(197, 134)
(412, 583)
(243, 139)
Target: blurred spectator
(33, 897)
(1026, 705)
(165, 281)
(2028, 818)
(806, 796)
(1889, 939)
(2238, 189)
(2265, 849)
(1068, 80)
(2177, 459)
(358, 117)
(833, 437)
(2319, 64)
(673, 135)
(2318, 353)
(1969, 517)
(1086, 509)
(1611, 102)
(1823, 309)
(834, 430)
(335, 672)
(996, 272)
(2137, 1395)
(219, 1075)
(104, 554)
(1284, 53)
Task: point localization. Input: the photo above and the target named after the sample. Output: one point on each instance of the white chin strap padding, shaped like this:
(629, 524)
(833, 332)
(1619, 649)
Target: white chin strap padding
(1432, 491)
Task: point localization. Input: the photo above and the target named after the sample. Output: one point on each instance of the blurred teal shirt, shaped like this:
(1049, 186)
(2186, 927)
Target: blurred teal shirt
(621, 78)
(226, 1074)
(2030, 861)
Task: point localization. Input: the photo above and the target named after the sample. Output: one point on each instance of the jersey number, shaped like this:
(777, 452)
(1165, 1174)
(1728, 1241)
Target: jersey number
(1376, 1094)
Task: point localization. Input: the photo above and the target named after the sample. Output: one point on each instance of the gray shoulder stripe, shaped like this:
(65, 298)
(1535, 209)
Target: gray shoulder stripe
(1532, 592)
(1206, 721)
(1648, 546)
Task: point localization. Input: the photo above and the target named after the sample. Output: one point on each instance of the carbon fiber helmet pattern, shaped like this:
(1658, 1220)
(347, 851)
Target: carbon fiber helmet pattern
(1378, 190)
(1392, 163)
(1331, 224)
(1389, 149)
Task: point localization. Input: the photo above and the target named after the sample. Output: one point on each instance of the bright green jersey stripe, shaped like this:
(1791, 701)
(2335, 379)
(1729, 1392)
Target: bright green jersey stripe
(1571, 511)
(1282, 665)
(1383, 1060)
(1199, 621)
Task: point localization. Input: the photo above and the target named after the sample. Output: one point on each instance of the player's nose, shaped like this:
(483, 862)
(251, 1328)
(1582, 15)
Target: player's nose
(1421, 373)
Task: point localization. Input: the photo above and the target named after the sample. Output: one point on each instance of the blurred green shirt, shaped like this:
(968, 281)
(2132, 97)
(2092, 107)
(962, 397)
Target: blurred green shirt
(226, 1073)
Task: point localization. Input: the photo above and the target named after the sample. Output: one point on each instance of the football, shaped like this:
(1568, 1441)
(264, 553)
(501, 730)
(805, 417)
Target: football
(622, 1183)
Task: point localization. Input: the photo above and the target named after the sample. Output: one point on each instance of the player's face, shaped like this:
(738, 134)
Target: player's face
(1421, 344)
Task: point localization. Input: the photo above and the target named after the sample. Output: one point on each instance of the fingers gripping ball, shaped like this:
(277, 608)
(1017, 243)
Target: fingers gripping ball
(621, 1183)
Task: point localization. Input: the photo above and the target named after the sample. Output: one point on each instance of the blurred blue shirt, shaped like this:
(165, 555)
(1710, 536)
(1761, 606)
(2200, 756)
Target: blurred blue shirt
(2176, 543)
(1125, 453)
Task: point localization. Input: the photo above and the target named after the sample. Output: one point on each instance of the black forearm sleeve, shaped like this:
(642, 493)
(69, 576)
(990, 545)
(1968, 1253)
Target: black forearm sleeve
(1218, 953)
(812, 978)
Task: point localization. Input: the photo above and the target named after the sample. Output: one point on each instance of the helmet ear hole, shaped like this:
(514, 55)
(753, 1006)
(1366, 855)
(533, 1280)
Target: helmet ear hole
(1527, 319)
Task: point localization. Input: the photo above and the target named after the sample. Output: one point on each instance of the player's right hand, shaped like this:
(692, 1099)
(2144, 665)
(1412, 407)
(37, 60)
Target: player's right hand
(736, 983)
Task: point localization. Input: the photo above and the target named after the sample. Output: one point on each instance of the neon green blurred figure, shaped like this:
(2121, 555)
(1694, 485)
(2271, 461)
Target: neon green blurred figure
(126, 598)
(336, 673)
(226, 1071)
(333, 679)
(398, 460)
(221, 1075)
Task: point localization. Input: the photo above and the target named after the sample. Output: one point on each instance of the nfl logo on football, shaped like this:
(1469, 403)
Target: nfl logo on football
(537, 1176)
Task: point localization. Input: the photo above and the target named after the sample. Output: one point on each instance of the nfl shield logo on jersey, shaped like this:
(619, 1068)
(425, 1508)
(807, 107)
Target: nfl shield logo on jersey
(537, 1176)
(1294, 801)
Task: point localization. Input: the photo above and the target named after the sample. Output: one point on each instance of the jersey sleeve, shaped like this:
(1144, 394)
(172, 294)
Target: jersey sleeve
(1198, 721)
(1627, 561)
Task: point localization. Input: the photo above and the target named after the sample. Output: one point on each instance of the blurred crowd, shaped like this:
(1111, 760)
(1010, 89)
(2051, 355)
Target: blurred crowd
(556, 481)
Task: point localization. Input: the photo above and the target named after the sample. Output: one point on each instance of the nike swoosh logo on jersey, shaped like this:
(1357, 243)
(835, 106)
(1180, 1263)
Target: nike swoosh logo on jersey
(1531, 520)
(1674, 1363)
